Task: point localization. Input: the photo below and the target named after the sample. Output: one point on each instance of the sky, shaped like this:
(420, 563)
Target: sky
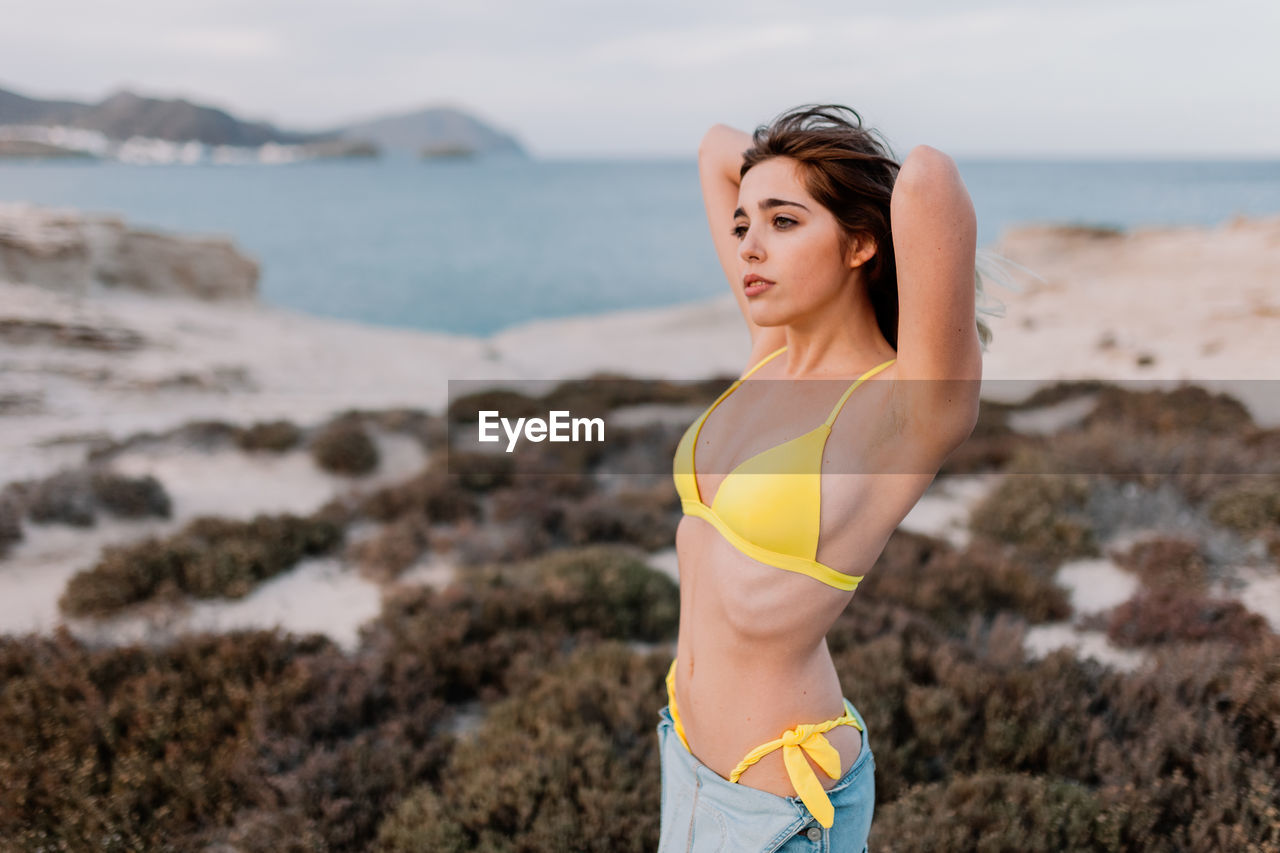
(588, 78)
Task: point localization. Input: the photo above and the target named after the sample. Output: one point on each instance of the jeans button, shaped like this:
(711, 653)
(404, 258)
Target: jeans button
(814, 833)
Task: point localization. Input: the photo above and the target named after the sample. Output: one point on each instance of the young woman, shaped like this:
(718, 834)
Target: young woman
(847, 266)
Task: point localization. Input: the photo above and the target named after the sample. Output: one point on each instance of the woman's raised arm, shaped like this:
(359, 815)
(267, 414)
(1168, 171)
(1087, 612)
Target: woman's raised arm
(934, 244)
(719, 165)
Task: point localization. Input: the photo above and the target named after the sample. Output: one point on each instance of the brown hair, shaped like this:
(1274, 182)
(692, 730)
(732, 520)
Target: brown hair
(850, 170)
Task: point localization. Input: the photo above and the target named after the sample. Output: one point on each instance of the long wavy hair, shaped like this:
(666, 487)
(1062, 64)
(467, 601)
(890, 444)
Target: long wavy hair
(850, 170)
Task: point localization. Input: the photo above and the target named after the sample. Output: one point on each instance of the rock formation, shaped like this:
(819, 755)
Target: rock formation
(74, 252)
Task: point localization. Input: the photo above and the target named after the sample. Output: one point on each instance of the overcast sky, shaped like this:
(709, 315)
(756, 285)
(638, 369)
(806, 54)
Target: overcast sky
(1085, 78)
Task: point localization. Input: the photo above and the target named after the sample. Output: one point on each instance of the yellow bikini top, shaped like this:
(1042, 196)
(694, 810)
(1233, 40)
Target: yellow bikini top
(773, 516)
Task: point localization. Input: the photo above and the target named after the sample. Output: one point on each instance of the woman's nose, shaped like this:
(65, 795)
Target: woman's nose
(750, 248)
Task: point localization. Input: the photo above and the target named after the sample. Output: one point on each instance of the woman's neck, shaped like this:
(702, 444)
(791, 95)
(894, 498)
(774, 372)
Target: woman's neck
(838, 339)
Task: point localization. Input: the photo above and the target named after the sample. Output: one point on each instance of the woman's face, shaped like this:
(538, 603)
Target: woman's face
(786, 237)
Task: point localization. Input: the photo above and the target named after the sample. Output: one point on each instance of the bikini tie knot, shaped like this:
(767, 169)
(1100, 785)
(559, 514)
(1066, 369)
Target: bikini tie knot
(800, 735)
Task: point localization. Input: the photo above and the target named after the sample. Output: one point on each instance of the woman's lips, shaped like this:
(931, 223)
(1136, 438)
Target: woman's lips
(757, 287)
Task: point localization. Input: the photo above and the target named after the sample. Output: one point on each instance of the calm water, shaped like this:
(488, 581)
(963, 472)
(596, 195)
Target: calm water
(473, 247)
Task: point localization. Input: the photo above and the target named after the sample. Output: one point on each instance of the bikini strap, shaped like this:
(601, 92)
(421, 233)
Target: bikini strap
(761, 363)
(831, 418)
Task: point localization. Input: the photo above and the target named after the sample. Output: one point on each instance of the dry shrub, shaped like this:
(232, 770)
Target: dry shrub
(639, 518)
(209, 557)
(1039, 510)
(74, 495)
(931, 577)
(344, 447)
(271, 436)
(270, 744)
(129, 748)
(1193, 746)
(1188, 409)
(525, 522)
(252, 739)
(63, 498)
(1175, 615)
(234, 556)
(130, 497)
(265, 743)
(1195, 441)
(337, 795)
(430, 431)
(511, 404)
(1182, 755)
(206, 435)
(10, 521)
(431, 493)
(572, 758)
(523, 502)
(604, 588)
(558, 465)
(1164, 562)
(600, 393)
(1248, 506)
(392, 549)
(496, 627)
(480, 472)
(991, 811)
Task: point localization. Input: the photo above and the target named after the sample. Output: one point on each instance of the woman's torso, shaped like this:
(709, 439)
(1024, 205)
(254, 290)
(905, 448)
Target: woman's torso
(752, 653)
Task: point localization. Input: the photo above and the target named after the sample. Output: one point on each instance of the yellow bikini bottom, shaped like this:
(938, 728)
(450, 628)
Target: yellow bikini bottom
(807, 738)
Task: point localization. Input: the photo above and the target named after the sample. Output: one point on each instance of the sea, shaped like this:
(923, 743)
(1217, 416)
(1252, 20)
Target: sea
(475, 246)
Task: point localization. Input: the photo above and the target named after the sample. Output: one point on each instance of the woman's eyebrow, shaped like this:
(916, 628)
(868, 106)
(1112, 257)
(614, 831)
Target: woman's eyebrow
(771, 202)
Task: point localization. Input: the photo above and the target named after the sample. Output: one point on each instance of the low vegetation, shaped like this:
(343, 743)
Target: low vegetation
(209, 557)
(516, 710)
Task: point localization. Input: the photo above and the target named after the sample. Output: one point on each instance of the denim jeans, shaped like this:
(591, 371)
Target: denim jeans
(702, 812)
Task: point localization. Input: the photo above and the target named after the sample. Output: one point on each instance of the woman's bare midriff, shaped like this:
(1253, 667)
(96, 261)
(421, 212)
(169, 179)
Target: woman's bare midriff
(745, 677)
(752, 654)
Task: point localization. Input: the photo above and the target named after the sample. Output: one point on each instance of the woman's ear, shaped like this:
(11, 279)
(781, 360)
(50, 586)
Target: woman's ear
(862, 248)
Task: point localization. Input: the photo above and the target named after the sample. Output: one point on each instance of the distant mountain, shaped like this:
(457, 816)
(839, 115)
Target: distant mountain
(433, 131)
(124, 114)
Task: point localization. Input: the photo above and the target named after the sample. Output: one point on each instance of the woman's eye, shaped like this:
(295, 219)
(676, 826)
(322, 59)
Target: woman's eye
(781, 220)
(738, 231)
